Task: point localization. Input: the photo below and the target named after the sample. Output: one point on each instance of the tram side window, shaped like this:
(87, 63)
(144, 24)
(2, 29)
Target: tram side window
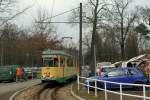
(56, 63)
(48, 63)
(51, 63)
(62, 63)
(70, 62)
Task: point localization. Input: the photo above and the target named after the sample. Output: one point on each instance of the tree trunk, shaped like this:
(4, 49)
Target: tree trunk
(122, 52)
(122, 39)
(93, 43)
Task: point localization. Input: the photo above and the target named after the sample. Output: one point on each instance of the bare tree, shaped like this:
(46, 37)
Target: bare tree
(94, 11)
(132, 48)
(87, 41)
(6, 7)
(8, 11)
(122, 19)
(10, 34)
(145, 14)
(145, 31)
(44, 35)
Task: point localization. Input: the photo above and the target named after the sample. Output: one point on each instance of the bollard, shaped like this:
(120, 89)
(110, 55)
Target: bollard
(144, 92)
(88, 88)
(78, 82)
(105, 90)
(120, 91)
(95, 88)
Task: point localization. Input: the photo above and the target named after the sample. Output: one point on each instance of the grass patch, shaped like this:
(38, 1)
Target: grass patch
(83, 92)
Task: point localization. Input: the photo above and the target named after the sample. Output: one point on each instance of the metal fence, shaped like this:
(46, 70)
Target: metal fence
(120, 92)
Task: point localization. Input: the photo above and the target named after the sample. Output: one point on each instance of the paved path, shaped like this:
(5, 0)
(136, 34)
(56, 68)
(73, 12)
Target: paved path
(7, 89)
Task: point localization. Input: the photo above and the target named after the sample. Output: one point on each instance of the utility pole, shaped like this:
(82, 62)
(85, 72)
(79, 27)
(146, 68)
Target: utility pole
(80, 41)
(2, 51)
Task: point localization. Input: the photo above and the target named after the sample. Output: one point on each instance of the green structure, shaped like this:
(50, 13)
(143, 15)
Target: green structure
(8, 73)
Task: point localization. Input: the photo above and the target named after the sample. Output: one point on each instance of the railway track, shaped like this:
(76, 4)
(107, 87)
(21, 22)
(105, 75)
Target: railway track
(54, 94)
(57, 92)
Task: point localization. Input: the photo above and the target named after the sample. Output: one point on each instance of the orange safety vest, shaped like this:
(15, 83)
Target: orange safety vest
(19, 72)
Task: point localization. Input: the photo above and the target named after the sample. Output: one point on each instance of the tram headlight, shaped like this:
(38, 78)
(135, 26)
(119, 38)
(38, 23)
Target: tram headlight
(51, 76)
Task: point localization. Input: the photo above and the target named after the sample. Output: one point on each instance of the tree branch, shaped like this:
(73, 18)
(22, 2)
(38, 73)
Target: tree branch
(15, 15)
(92, 3)
(131, 20)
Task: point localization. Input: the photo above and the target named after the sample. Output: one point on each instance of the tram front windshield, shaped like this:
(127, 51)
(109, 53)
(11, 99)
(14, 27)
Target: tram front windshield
(51, 62)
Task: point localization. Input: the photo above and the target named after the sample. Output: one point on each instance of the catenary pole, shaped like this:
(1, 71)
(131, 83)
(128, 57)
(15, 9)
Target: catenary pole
(80, 41)
(2, 51)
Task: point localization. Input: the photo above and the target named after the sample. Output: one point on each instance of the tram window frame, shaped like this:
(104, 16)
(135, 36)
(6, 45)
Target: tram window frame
(62, 62)
(48, 60)
(56, 65)
(70, 64)
(53, 62)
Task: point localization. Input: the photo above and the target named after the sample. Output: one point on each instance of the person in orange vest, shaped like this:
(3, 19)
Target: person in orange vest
(19, 73)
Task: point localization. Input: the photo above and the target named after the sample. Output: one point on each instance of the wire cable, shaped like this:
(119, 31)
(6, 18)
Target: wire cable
(64, 22)
(63, 13)
(60, 14)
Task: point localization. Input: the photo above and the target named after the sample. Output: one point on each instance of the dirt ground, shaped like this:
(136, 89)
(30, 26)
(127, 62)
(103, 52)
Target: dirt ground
(64, 93)
(8, 89)
(57, 92)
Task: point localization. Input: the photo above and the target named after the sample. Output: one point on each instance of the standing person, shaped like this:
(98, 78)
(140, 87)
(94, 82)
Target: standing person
(23, 74)
(19, 73)
(134, 65)
(129, 64)
(98, 71)
(146, 68)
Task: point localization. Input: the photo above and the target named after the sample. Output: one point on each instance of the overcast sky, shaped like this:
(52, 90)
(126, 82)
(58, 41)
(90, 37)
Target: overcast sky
(26, 19)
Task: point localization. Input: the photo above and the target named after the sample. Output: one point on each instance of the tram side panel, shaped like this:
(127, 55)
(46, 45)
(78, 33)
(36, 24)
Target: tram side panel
(59, 74)
(52, 74)
(70, 72)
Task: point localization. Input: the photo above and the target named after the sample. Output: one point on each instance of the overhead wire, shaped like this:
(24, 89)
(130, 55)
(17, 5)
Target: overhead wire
(61, 14)
(64, 22)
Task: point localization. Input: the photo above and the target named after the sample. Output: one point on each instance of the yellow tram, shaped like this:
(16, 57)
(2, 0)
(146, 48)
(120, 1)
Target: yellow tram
(58, 66)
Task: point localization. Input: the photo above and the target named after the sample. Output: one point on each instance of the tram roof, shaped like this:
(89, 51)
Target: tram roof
(55, 52)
